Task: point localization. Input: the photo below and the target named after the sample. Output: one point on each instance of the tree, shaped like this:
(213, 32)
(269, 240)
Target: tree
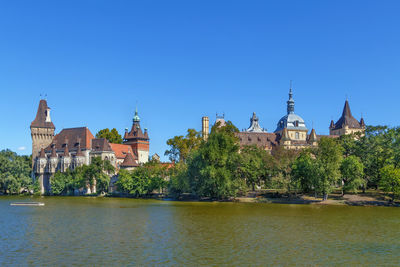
(182, 146)
(352, 171)
(328, 158)
(282, 167)
(390, 181)
(62, 183)
(14, 172)
(253, 165)
(112, 136)
(304, 172)
(212, 168)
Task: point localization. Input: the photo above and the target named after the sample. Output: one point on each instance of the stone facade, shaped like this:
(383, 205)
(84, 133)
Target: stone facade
(74, 147)
(291, 131)
(42, 129)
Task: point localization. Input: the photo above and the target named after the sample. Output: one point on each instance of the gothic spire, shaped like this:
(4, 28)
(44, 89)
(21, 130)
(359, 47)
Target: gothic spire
(136, 117)
(290, 102)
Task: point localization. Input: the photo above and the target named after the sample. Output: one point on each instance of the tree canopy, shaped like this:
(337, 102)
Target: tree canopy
(112, 136)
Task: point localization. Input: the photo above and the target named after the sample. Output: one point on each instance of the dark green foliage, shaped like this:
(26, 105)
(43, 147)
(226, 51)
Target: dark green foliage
(182, 146)
(143, 180)
(304, 172)
(112, 136)
(212, 168)
(390, 181)
(253, 166)
(14, 172)
(63, 183)
(98, 171)
(352, 171)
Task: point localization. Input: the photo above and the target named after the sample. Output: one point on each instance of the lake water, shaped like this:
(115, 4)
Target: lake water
(113, 231)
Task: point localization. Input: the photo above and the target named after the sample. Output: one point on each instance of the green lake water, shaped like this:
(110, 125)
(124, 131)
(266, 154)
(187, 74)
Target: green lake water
(112, 231)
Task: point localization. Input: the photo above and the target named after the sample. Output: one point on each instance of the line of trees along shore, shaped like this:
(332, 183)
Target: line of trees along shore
(219, 168)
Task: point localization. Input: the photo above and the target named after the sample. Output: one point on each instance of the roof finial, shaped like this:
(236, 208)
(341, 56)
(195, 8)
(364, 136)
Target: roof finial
(136, 118)
(290, 102)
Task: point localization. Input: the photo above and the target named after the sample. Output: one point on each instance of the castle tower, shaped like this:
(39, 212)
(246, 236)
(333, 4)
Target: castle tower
(138, 140)
(205, 127)
(347, 124)
(42, 129)
(293, 123)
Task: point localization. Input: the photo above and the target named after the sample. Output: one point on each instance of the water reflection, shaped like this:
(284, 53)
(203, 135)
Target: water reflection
(98, 231)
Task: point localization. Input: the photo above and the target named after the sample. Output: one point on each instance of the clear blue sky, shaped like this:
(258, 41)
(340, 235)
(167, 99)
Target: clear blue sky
(181, 60)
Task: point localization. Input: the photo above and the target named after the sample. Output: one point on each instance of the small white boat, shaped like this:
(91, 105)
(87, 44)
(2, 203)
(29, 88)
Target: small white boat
(27, 204)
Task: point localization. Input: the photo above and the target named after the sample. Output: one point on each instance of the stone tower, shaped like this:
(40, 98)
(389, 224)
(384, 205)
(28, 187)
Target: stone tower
(205, 127)
(347, 124)
(138, 140)
(42, 129)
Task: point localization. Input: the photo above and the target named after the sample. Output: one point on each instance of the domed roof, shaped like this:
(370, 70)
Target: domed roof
(291, 121)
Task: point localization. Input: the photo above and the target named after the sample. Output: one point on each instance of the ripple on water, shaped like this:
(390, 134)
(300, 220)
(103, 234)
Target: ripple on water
(99, 231)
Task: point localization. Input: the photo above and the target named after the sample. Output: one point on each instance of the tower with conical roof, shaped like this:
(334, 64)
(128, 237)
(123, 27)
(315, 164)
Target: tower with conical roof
(347, 124)
(139, 140)
(42, 129)
(293, 124)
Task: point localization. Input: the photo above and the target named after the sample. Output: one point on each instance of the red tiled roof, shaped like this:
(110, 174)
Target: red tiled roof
(129, 161)
(121, 150)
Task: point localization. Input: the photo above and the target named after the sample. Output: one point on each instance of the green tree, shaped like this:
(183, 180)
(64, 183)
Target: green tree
(328, 158)
(352, 171)
(211, 168)
(304, 172)
(253, 165)
(390, 181)
(181, 146)
(62, 183)
(282, 168)
(112, 136)
(14, 172)
(179, 182)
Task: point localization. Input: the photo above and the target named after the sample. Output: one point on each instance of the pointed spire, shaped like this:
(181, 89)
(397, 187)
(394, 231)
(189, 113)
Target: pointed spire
(136, 118)
(346, 109)
(332, 124)
(312, 137)
(362, 123)
(290, 102)
(79, 151)
(42, 119)
(129, 161)
(42, 154)
(66, 151)
(53, 151)
(285, 135)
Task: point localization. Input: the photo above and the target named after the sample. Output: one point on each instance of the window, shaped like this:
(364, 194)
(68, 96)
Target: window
(297, 135)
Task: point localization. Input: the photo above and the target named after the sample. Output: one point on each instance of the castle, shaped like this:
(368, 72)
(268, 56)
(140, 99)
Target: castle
(291, 131)
(74, 147)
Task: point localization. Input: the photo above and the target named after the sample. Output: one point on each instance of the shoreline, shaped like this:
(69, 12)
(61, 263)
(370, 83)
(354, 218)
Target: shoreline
(334, 200)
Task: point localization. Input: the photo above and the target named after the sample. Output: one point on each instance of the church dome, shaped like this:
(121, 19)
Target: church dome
(291, 121)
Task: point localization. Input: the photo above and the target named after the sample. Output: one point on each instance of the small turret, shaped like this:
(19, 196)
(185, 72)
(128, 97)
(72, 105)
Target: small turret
(312, 138)
(362, 123)
(66, 158)
(53, 162)
(42, 154)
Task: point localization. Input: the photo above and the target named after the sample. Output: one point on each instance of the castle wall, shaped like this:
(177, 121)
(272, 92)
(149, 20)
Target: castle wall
(41, 138)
